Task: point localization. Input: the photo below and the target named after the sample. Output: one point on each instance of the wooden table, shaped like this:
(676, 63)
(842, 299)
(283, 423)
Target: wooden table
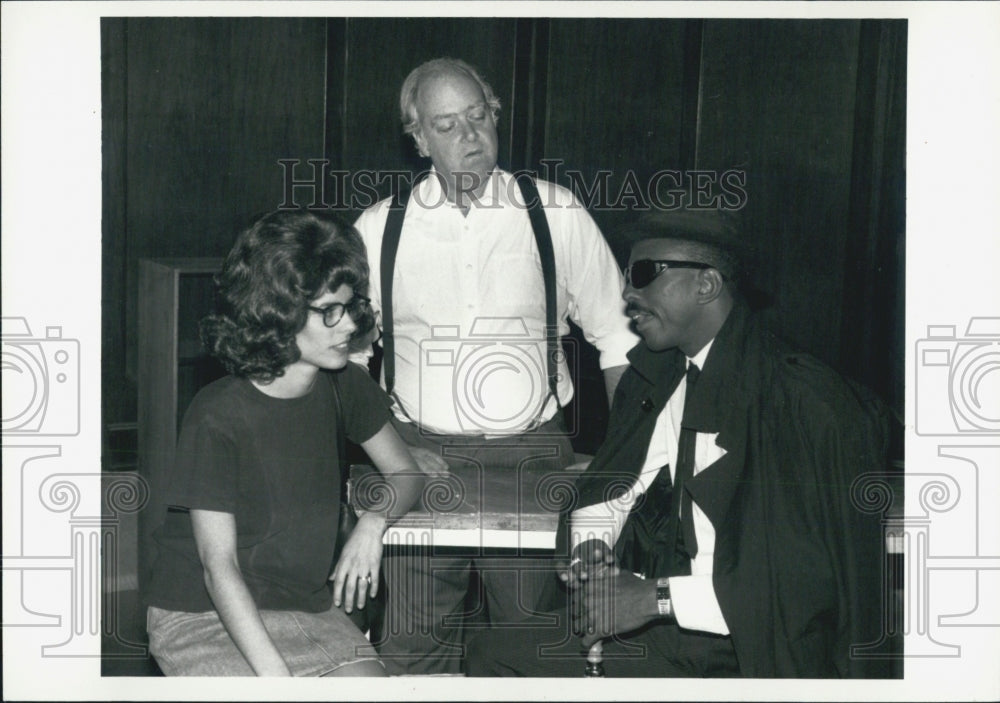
(508, 509)
(518, 510)
(468, 507)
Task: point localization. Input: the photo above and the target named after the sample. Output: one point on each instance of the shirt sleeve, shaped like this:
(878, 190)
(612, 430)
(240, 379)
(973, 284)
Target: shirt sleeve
(695, 604)
(594, 283)
(371, 226)
(601, 521)
(366, 406)
(205, 475)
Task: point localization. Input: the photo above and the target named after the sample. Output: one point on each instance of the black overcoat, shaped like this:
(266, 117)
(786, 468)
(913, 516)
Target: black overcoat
(798, 567)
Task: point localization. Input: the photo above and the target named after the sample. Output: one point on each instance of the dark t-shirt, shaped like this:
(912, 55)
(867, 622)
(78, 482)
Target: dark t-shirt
(273, 464)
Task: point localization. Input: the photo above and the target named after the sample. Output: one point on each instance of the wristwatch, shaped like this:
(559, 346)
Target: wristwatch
(663, 604)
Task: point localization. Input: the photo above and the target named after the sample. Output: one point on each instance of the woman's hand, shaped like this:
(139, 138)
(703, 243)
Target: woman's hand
(356, 575)
(355, 578)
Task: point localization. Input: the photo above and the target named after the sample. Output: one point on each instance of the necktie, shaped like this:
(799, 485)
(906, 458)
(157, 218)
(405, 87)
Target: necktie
(687, 543)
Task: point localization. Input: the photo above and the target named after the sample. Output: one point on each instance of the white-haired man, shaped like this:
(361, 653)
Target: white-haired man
(467, 258)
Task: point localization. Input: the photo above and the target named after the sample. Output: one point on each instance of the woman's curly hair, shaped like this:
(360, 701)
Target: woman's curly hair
(277, 267)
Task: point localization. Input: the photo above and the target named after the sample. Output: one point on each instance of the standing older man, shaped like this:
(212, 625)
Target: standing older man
(716, 535)
(480, 274)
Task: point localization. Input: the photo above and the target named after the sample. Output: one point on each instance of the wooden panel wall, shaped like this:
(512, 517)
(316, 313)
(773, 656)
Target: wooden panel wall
(778, 102)
(199, 111)
(379, 55)
(208, 107)
(118, 396)
(874, 303)
(615, 104)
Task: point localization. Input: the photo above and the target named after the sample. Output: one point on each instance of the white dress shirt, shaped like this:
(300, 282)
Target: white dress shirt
(469, 305)
(695, 604)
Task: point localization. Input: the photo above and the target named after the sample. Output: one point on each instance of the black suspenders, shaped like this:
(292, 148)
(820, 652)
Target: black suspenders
(390, 244)
(543, 241)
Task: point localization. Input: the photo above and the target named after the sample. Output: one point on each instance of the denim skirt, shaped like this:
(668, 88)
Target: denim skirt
(312, 644)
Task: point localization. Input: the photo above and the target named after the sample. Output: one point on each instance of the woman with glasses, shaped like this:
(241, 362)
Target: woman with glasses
(242, 581)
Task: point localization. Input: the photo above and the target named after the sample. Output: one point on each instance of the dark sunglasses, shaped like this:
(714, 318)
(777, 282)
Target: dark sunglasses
(641, 273)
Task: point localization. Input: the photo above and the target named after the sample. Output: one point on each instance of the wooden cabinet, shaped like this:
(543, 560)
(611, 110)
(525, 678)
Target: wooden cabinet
(174, 294)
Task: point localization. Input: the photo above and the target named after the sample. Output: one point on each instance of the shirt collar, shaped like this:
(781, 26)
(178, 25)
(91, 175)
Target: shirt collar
(699, 358)
(498, 189)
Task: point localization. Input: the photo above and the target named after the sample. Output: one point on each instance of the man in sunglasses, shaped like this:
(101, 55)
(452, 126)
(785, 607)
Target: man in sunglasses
(715, 533)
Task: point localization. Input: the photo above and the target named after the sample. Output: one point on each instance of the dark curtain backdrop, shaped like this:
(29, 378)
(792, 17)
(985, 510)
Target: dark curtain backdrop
(199, 113)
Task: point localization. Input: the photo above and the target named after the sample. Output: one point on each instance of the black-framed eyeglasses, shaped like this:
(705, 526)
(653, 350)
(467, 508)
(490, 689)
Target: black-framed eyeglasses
(334, 312)
(641, 273)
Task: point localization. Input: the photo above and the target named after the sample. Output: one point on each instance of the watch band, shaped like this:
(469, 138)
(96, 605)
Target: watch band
(663, 604)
